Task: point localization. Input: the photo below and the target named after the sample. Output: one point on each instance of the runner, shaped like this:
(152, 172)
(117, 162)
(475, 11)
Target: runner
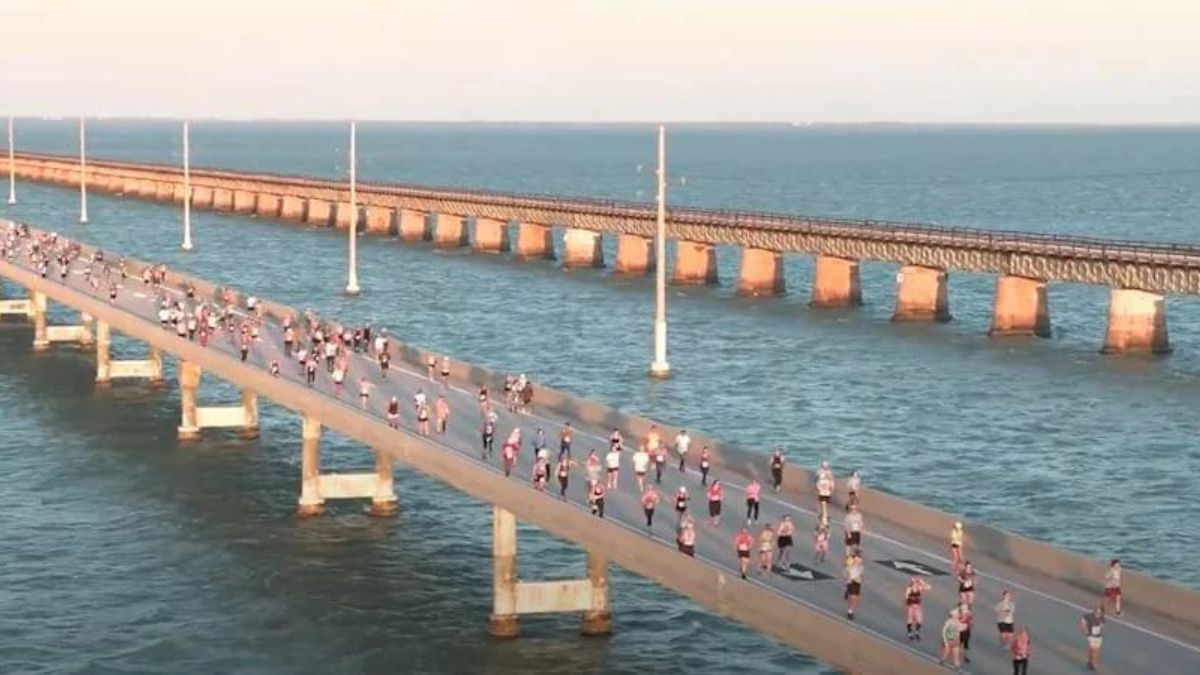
(596, 499)
(641, 464)
(385, 362)
(310, 371)
(488, 435)
(777, 469)
(508, 451)
(423, 419)
(541, 473)
(950, 641)
(614, 439)
(912, 607)
(853, 527)
(853, 576)
(824, 491)
(612, 463)
(441, 413)
(564, 440)
(446, 371)
(649, 501)
(681, 503)
(1020, 649)
(660, 462)
(1006, 611)
(965, 618)
(752, 493)
(766, 549)
(705, 465)
(1112, 586)
(742, 543)
(339, 381)
(1092, 625)
(966, 584)
(563, 471)
(393, 412)
(484, 401)
(419, 400)
(593, 468)
(956, 545)
(430, 367)
(853, 486)
(715, 496)
(274, 367)
(821, 540)
(686, 539)
(683, 443)
(785, 541)
(364, 391)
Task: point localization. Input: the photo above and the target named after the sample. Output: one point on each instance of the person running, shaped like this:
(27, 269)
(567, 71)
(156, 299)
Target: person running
(966, 584)
(965, 617)
(274, 368)
(766, 549)
(686, 538)
(596, 499)
(641, 464)
(563, 472)
(752, 494)
(681, 503)
(592, 467)
(612, 463)
(1020, 649)
(660, 462)
(310, 371)
(821, 540)
(824, 492)
(430, 367)
(1006, 612)
(742, 543)
(614, 439)
(364, 391)
(705, 465)
(716, 494)
(539, 439)
(950, 641)
(446, 371)
(777, 469)
(683, 443)
(853, 487)
(385, 363)
(785, 539)
(508, 451)
(853, 526)
(419, 400)
(393, 412)
(564, 439)
(423, 419)
(441, 412)
(956, 545)
(1092, 625)
(541, 473)
(488, 435)
(913, 617)
(653, 439)
(649, 501)
(339, 381)
(1112, 586)
(853, 576)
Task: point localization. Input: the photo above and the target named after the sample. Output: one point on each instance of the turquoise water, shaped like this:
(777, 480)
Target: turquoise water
(133, 552)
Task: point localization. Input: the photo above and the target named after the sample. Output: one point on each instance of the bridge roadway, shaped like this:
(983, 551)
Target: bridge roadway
(807, 614)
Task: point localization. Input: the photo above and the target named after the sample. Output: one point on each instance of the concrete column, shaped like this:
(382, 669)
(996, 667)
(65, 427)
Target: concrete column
(449, 231)
(86, 334)
(921, 294)
(383, 502)
(310, 503)
(836, 283)
(695, 264)
(635, 255)
(761, 273)
(245, 201)
(582, 248)
(379, 220)
(148, 188)
(189, 382)
(268, 205)
(503, 622)
(343, 216)
(292, 208)
(534, 241)
(202, 197)
(154, 361)
(1137, 323)
(1019, 308)
(164, 192)
(320, 212)
(103, 358)
(414, 225)
(38, 306)
(597, 619)
(249, 414)
(491, 236)
(222, 199)
(177, 193)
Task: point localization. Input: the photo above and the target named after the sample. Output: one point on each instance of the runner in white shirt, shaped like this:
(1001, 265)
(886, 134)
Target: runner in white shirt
(641, 464)
(683, 443)
(612, 461)
(824, 492)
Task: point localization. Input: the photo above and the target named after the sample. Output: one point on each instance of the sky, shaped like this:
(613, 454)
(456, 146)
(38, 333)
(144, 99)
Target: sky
(1009, 61)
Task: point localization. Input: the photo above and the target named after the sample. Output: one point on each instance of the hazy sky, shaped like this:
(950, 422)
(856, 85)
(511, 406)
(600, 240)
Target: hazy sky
(605, 60)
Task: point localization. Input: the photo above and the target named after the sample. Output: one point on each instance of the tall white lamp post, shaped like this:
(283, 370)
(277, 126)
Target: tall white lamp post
(352, 271)
(659, 367)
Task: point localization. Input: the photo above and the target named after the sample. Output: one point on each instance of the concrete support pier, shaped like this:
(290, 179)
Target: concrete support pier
(1019, 308)
(491, 236)
(316, 487)
(379, 220)
(449, 231)
(245, 201)
(108, 370)
(836, 283)
(921, 294)
(202, 197)
(761, 273)
(37, 310)
(293, 208)
(45, 335)
(534, 242)
(635, 255)
(222, 199)
(414, 225)
(319, 213)
(597, 619)
(1137, 323)
(164, 192)
(503, 621)
(695, 264)
(344, 215)
(195, 418)
(582, 248)
(267, 206)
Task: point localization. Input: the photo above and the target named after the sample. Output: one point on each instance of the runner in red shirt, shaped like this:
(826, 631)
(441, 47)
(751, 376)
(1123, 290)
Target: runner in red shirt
(742, 543)
(715, 495)
(649, 501)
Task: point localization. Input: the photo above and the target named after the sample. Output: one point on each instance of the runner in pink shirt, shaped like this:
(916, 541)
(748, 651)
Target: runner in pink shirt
(742, 543)
(752, 493)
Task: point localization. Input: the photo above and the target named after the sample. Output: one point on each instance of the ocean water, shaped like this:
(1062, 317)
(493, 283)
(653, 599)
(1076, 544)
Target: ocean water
(130, 552)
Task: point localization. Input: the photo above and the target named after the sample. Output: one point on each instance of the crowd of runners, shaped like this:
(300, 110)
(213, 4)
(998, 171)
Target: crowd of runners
(321, 349)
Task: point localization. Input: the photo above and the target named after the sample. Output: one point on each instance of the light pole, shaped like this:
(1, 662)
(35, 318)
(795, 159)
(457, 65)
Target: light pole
(82, 170)
(352, 272)
(187, 192)
(12, 166)
(659, 367)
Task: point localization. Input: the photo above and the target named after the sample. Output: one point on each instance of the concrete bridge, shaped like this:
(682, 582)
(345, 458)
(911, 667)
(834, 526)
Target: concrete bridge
(1137, 273)
(801, 606)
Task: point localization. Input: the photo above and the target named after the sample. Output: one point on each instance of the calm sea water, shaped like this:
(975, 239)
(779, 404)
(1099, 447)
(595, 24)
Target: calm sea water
(128, 552)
